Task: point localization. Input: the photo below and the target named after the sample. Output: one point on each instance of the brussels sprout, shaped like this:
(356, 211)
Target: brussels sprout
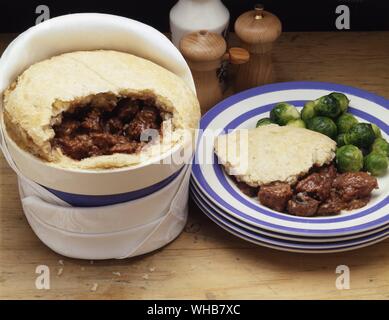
(360, 135)
(342, 100)
(380, 145)
(349, 159)
(323, 125)
(263, 122)
(284, 112)
(376, 163)
(296, 123)
(308, 112)
(340, 140)
(376, 130)
(345, 122)
(327, 106)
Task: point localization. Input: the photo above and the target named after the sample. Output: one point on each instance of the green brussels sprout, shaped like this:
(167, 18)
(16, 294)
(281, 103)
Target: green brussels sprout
(284, 112)
(376, 130)
(360, 135)
(380, 145)
(308, 112)
(349, 158)
(323, 125)
(376, 163)
(340, 140)
(345, 122)
(327, 106)
(296, 123)
(263, 122)
(342, 100)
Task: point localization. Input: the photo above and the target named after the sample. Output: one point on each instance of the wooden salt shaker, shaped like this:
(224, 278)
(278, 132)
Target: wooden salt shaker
(204, 51)
(257, 30)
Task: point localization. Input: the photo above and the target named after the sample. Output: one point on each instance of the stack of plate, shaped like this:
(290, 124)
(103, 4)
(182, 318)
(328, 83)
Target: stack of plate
(219, 198)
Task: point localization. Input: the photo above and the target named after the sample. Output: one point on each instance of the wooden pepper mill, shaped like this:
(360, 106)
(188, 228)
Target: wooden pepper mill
(205, 51)
(257, 29)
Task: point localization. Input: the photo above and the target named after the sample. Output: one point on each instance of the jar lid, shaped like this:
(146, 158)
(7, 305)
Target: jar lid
(203, 45)
(258, 26)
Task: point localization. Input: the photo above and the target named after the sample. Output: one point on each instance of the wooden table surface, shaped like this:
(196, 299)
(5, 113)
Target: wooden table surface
(206, 262)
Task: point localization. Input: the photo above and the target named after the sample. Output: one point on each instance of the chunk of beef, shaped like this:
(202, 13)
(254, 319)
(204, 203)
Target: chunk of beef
(332, 205)
(114, 126)
(357, 203)
(147, 118)
(67, 127)
(92, 121)
(275, 195)
(328, 171)
(105, 140)
(355, 185)
(127, 109)
(79, 147)
(126, 147)
(303, 205)
(316, 185)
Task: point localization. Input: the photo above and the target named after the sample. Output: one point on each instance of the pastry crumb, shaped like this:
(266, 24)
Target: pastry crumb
(94, 287)
(60, 270)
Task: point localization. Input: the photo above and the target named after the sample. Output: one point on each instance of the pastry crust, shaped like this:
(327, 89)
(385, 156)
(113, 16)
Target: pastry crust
(33, 103)
(273, 153)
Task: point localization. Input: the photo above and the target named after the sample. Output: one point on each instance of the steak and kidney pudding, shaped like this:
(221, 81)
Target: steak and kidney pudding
(98, 110)
(291, 170)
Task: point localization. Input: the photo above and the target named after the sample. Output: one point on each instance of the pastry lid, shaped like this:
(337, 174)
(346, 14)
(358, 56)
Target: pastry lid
(203, 45)
(258, 26)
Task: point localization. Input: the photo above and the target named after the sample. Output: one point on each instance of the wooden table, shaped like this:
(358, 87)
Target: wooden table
(206, 262)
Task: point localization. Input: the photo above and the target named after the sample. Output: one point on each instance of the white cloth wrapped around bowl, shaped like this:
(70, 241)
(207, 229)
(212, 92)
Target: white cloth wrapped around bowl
(117, 231)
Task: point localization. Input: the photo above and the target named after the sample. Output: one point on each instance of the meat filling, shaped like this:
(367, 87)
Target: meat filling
(318, 184)
(303, 205)
(322, 192)
(355, 185)
(114, 127)
(275, 195)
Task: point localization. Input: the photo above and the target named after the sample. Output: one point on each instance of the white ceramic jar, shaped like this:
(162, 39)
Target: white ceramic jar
(193, 15)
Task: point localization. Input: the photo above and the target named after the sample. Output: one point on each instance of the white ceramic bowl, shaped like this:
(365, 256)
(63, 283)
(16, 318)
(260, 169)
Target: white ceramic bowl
(89, 31)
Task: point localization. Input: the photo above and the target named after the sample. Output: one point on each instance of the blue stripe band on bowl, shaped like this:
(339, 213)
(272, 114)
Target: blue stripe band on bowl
(79, 200)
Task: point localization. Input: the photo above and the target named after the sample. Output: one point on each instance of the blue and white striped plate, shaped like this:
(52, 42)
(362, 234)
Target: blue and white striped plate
(291, 246)
(242, 111)
(268, 240)
(226, 218)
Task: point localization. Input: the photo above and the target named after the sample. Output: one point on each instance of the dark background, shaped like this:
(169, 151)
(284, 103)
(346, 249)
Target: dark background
(296, 15)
